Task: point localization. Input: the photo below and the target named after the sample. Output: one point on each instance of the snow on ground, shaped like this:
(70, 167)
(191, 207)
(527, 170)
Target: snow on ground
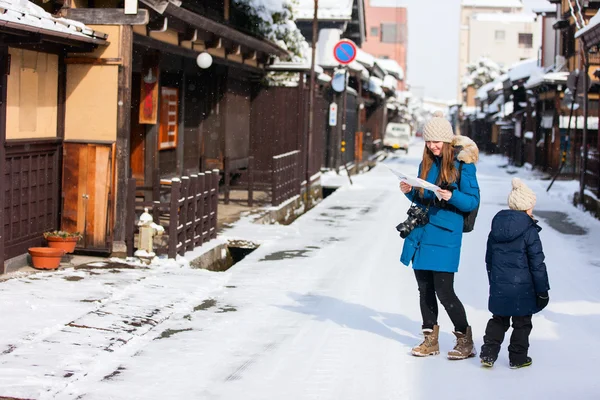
(321, 310)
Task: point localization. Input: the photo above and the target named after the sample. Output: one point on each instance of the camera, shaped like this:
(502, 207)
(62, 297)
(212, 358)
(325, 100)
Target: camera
(416, 217)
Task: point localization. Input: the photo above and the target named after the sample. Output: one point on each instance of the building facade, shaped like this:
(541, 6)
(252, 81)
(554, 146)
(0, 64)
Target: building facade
(469, 8)
(387, 34)
(504, 38)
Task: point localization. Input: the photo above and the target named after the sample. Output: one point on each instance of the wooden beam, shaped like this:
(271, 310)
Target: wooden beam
(235, 51)
(107, 16)
(4, 64)
(191, 35)
(216, 43)
(227, 12)
(94, 61)
(150, 43)
(34, 38)
(160, 24)
(123, 142)
(251, 55)
(224, 31)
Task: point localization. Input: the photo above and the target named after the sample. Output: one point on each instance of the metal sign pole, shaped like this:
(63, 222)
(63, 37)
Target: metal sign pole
(343, 141)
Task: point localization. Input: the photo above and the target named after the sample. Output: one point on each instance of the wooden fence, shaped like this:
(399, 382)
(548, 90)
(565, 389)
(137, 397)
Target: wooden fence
(186, 207)
(245, 177)
(286, 179)
(592, 172)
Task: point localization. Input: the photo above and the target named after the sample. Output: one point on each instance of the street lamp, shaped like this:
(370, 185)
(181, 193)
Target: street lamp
(204, 60)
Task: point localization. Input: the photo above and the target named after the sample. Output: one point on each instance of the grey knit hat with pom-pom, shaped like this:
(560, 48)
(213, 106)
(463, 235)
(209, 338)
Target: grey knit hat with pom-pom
(521, 198)
(438, 129)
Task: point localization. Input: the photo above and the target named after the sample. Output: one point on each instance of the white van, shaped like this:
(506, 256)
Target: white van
(397, 136)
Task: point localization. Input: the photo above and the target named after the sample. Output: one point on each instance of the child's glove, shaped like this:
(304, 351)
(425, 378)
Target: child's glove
(542, 300)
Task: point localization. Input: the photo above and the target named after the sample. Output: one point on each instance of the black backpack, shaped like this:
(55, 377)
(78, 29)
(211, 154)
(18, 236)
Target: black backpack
(471, 216)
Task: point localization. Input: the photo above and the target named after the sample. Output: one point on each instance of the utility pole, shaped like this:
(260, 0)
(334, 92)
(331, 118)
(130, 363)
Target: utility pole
(308, 143)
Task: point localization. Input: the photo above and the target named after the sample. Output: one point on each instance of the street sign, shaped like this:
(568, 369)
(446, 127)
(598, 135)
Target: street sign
(344, 51)
(333, 114)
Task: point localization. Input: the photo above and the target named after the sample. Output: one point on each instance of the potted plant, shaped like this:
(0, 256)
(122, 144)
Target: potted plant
(62, 240)
(45, 257)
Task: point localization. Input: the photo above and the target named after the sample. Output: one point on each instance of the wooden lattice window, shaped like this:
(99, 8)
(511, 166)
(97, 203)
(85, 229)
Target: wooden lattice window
(167, 132)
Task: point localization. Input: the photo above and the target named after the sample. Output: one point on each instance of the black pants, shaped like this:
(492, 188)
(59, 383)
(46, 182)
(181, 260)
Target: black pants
(440, 283)
(519, 340)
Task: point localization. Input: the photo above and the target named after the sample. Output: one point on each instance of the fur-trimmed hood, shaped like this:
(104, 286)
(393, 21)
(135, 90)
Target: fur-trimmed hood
(466, 148)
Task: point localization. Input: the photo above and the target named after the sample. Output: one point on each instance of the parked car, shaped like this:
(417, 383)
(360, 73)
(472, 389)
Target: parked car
(397, 136)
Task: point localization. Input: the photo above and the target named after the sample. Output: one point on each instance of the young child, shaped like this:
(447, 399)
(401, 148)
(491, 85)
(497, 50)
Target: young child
(517, 275)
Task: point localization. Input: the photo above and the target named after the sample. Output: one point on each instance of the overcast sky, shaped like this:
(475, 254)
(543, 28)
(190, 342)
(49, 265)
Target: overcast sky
(433, 44)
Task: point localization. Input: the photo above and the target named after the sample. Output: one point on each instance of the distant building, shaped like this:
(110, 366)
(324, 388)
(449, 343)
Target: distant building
(387, 34)
(467, 10)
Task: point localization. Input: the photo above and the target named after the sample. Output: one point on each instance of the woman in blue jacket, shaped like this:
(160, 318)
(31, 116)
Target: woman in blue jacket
(434, 248)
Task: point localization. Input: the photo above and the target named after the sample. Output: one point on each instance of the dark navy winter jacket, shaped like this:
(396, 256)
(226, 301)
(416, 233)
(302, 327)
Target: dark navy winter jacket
(515, 264)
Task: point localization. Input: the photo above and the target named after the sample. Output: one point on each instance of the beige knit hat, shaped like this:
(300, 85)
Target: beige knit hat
(521, 198)
(438, 129)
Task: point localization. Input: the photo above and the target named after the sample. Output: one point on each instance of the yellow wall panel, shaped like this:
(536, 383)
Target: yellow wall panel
(32, 95)
(112, 50)
(91, 107)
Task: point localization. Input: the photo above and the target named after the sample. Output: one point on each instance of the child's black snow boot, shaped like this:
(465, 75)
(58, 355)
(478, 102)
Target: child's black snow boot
(526, 363)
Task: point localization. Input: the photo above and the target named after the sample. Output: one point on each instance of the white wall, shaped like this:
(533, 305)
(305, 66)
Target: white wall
(484, 43)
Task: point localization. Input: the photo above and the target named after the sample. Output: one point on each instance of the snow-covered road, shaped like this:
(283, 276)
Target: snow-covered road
(321, 310)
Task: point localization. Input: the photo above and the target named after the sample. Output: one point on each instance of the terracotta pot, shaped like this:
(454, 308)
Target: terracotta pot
(45, 257)
(67, 244)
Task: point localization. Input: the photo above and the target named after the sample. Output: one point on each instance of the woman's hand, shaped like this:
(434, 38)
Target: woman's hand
(446, 194)
(405, 187)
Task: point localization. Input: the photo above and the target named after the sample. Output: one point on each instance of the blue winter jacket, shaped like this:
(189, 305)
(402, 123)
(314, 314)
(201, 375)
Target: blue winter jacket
(515, 264)
(436, 246)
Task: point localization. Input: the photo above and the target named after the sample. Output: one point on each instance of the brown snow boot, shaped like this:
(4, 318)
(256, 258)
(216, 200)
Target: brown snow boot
(430, 345)
(464, 346)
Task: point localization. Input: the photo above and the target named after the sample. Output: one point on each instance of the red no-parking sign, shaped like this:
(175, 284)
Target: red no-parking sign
(344, 51)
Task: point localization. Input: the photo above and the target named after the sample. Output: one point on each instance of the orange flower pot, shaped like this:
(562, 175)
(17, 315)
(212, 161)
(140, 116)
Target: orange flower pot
(67, 244)
(46, 257)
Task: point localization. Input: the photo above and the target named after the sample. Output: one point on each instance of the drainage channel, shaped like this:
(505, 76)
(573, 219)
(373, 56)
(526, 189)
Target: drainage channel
(329, 190)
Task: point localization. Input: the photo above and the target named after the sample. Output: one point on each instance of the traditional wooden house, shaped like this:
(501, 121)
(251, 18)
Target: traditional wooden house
(41, 78)
(589, 192)
(137, 105)
(572, 16)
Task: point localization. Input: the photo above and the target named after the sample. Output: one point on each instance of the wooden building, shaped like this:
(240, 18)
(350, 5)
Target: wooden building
(41, 80)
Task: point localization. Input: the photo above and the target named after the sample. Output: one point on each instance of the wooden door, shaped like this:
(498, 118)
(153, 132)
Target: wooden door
(87, 192)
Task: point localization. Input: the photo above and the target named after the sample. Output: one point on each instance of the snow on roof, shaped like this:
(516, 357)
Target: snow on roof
(551, 77)
(365, 58)
(328, 9)
(390, 83)
(327, 40)
(22, 14)
(391, 67)
(468, 110)
(376, 86)
(482, 91)
(303, 65)
(523, 69)
(594, 22)
(358, 67)
(504, 17)
(492, 3)
(496, 104)
(544, 9)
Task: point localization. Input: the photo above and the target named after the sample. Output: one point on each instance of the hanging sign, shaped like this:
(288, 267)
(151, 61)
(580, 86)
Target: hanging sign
(149, 91)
